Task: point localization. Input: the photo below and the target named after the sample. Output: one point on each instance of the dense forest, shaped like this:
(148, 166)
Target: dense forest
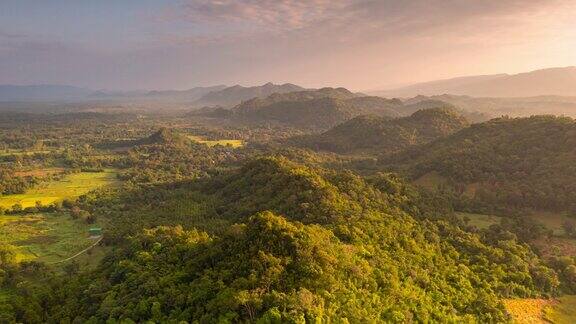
(381, 135)
(516, 162)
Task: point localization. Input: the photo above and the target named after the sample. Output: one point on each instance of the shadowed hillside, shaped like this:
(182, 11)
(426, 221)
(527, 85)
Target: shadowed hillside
(518, 162)
(381, 135)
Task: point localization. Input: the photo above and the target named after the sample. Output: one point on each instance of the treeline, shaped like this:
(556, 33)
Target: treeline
(10, 184)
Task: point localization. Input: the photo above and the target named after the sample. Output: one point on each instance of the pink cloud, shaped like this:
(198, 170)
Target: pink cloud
(271, 15)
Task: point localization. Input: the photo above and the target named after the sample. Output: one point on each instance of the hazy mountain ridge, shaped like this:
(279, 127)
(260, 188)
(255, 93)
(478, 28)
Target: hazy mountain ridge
(62, 93)
(234, 95)
(174, 95)
(45, 92)
(553, 81)
(496, 107)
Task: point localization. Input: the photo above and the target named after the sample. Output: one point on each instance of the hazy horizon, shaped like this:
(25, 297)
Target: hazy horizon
(361, 45)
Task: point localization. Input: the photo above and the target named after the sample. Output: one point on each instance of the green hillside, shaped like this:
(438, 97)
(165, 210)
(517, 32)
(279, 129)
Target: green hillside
(516, 162)
(381, 135)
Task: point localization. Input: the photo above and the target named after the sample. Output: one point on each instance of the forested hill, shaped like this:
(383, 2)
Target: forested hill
(163, 136)
(319, 109)
(310, 245)
(381, 135)
(519, 162)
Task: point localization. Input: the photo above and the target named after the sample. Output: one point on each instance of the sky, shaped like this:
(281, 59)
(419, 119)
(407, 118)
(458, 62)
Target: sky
(358, 44)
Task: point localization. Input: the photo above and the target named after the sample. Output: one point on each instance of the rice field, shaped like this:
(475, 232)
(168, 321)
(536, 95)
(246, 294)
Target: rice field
(71, 186)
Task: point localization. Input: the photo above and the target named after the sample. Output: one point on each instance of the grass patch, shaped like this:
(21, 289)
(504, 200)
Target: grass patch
(563, 311)
(552, 221)
(431, 181)
(44, 237)
(480, 221)
(90, 259)
(233, 143)
(71, 186)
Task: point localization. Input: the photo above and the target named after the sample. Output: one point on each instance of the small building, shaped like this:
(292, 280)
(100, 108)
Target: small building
(95, 231)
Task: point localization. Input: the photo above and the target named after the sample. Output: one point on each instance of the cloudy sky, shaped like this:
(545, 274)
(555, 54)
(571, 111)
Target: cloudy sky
(360, 44)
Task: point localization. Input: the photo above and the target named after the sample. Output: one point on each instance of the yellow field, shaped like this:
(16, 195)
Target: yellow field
(72, 186)
(233, 143)
(525, 311)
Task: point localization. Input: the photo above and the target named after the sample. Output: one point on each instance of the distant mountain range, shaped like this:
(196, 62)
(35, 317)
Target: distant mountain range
(554, 81)
(235, 95)
(44, 92)
(189, 95)
(219, 95)
(64, 93)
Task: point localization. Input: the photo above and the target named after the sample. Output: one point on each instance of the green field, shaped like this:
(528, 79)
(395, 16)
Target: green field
(44, 237)
(551, 220)
(233, 143)
(479, 220)
(71, 186)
